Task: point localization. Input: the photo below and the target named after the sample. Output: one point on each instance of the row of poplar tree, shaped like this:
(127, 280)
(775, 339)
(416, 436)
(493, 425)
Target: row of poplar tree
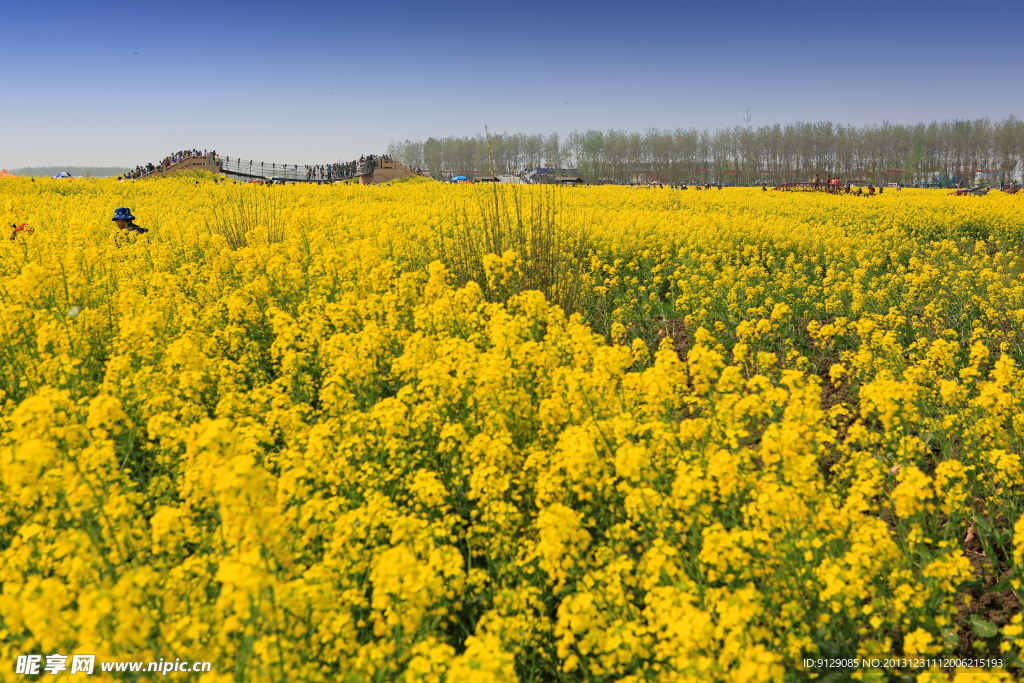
(938, 152)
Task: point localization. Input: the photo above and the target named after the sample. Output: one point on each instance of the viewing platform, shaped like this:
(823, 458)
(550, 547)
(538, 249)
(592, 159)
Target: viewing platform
(376, 172)
(369, 171)
(200, 163)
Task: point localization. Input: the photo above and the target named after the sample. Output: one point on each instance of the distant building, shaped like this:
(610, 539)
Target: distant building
(549, 175)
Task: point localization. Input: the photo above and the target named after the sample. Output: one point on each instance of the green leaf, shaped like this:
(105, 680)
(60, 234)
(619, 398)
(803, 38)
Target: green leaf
(950, 638)
(1001, 586)
(979, 584)
(983, 629)
(970, 585)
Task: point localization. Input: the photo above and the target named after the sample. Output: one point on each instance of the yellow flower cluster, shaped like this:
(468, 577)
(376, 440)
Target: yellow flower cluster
(288, 431)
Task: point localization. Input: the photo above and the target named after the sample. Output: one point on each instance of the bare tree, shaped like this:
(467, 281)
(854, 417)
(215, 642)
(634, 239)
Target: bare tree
(796, 151)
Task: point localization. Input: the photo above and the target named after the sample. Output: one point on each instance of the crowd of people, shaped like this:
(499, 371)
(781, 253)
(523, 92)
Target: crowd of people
(673, 186)
(169, 160)
(830, 185)
(181, 156)
(834, 186)
(329, 172)
(705, 186)
(341, 171)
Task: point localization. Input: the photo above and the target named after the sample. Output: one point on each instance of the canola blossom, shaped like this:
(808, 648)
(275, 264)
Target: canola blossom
(421, 432)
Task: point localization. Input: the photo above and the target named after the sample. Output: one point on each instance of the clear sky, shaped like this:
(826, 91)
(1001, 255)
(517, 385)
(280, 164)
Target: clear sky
(123, 83)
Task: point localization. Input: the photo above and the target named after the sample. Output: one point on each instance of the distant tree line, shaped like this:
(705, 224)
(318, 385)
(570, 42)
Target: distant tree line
(96, 171)
(952, 151)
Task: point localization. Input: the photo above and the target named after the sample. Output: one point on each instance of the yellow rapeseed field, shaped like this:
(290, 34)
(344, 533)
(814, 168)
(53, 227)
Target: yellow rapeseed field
(421, 432)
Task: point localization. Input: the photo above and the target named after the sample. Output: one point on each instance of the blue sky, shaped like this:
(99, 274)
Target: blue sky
(122, 83)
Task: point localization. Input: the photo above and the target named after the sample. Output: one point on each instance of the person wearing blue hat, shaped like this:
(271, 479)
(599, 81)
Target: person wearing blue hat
(126, 226)
(126, 221)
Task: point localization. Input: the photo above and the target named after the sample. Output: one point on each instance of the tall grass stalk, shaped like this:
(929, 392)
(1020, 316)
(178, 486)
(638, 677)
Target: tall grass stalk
(551, 242)
(248, 215)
